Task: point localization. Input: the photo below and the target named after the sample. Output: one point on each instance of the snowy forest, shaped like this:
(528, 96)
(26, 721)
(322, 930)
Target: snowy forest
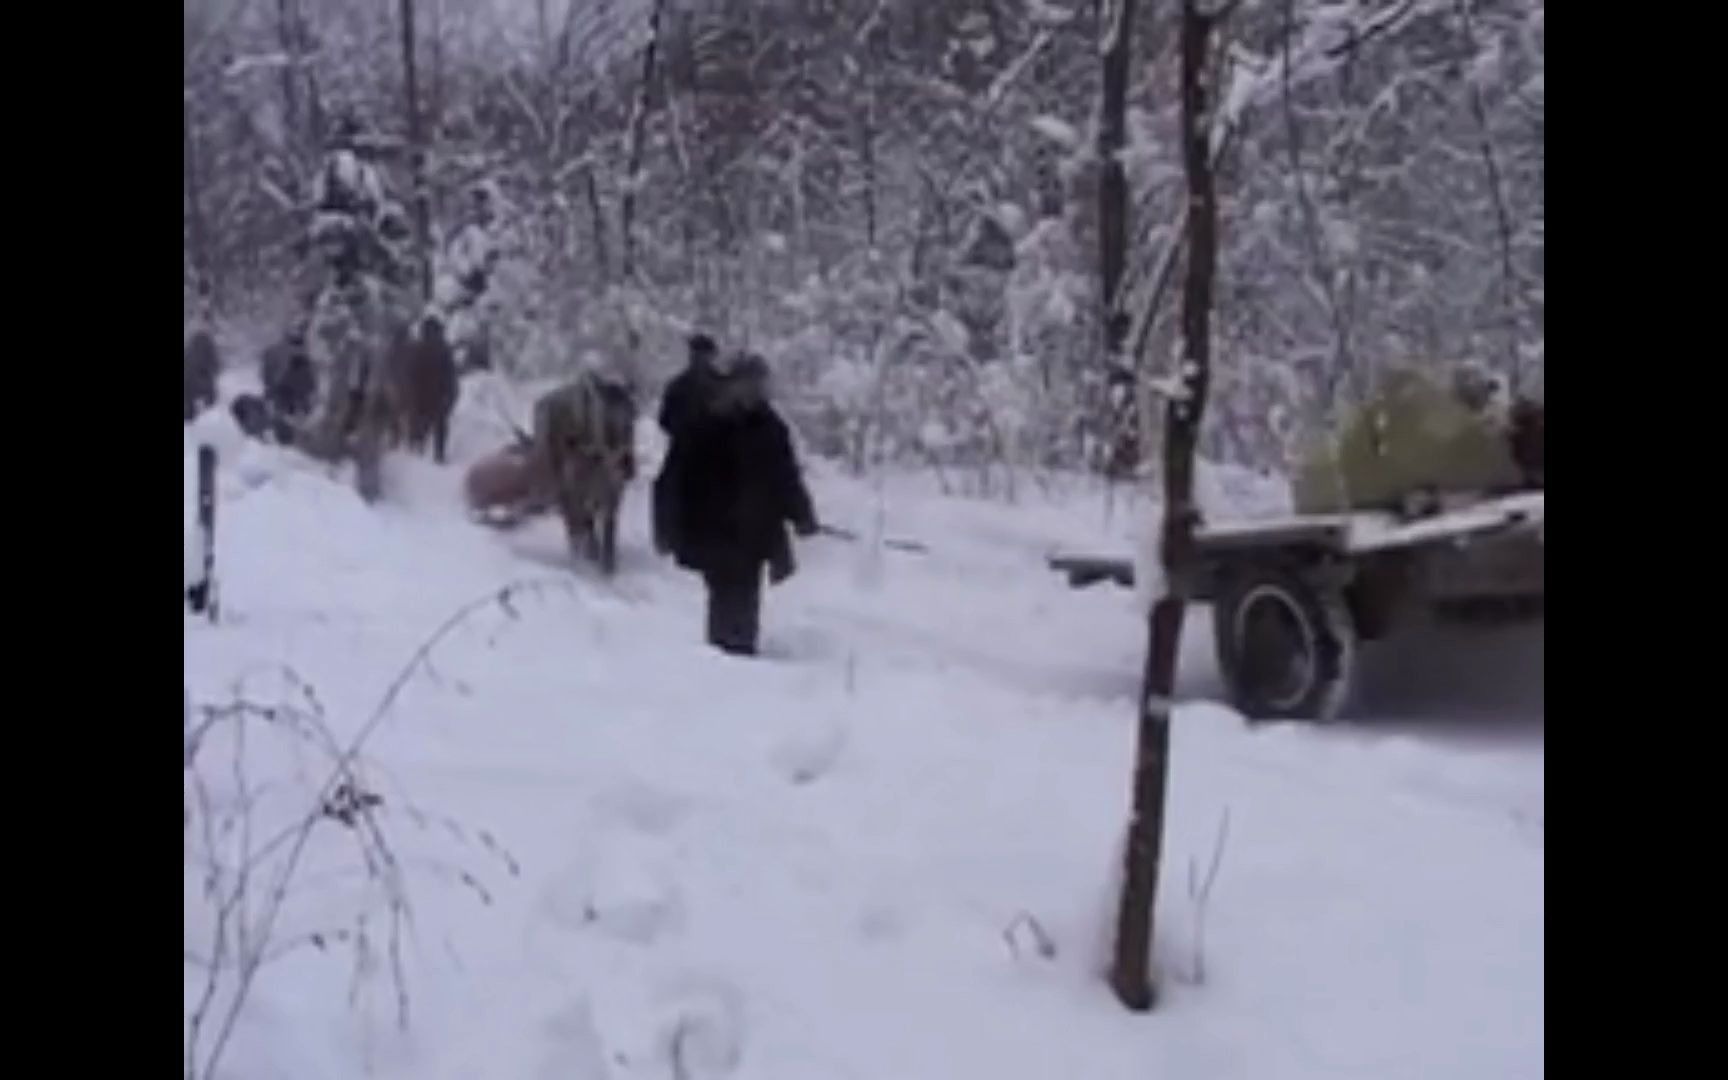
(865, 338)
(898, 202)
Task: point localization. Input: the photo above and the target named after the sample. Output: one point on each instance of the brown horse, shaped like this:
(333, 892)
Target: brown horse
(584, 437)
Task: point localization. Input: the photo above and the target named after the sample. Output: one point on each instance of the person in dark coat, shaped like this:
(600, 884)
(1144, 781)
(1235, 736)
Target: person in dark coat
(290, 383)
(687, 398)
(740, 487)
(687, 395)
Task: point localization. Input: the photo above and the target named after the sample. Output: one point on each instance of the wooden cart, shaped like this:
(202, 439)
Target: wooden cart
(1293, 598)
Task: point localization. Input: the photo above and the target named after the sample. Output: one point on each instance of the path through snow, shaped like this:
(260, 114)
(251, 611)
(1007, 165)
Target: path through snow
(803, 867)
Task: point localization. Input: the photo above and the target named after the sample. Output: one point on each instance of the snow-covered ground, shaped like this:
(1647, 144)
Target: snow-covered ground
(837, 861)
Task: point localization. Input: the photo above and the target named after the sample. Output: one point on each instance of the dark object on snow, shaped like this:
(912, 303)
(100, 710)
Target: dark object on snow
(252, 415)
(1528, 435)
(290, 380)
(476, 354)
(508, 486)
(734, 610)
(348, 804)
(201, 366)
(201, 595)
(1084, 570)
(915, 547)
(737, 487)
(584, 436)
(422, 389)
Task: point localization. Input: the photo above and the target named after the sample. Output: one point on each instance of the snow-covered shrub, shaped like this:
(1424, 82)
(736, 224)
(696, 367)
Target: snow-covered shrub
(294, 845)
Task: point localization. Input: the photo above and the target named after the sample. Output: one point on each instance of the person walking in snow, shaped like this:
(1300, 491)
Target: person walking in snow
(351, 318)
(740, 487)
(687, 397)
(466, 272)
(689, 392)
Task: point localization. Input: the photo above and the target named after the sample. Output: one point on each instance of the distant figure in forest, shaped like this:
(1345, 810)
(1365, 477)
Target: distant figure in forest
(252, 416)
(201, 365)
(739, 486)
(421, 386)
(290, 382)
(686, 398)
(688, 393)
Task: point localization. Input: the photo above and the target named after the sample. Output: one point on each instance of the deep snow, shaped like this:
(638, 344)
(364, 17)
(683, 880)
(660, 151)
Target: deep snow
(807, 866)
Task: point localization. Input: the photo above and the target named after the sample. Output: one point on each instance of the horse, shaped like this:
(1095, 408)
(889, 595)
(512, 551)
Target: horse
(584, 436)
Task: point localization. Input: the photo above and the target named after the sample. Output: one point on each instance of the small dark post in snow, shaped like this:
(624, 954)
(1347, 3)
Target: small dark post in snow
(1130, 974)
(201, 596)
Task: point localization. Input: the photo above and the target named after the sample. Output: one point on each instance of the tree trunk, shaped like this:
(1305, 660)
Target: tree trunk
(1113, 231)
(1116, 48)
(1502, 217)
(598, 219)
(867, 147)
(417, 154)
(435, 105)
(1130, 976)
(1345, 370)
(288, 34)
(198, 230)
(638, 136)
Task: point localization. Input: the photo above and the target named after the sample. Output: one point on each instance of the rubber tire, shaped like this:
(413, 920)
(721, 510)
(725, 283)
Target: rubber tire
(1322, 618)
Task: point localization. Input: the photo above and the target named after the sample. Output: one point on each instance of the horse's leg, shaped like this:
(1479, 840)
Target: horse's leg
(591, 533)
(570, 507)
(609, 539)
(572, 516)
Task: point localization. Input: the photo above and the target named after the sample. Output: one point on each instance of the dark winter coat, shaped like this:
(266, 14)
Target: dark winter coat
(738, 486)
(686, 399)
(290, 381)
(426, 388)
(251, 415)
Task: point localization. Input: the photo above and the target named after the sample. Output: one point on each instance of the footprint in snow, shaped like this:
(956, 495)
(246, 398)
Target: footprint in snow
(806, 756)
(701, 1031)
(881, 922)
(621, 896)
(643, 808)
(573, 1049)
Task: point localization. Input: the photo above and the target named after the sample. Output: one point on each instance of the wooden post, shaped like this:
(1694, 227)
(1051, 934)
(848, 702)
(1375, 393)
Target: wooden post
(1130, 976)
(201, 596)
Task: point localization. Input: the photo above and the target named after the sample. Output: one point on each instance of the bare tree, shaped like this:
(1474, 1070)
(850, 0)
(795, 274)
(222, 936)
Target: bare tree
(416, 154)
(638, 134)
(1113, 224)
(203, 267)
(1385, 164)
(1130, 976)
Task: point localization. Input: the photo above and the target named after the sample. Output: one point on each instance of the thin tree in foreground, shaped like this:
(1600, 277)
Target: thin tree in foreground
(421, 198)
(1130, 975)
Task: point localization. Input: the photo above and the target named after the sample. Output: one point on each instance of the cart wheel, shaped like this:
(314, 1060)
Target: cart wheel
(1286, 647)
